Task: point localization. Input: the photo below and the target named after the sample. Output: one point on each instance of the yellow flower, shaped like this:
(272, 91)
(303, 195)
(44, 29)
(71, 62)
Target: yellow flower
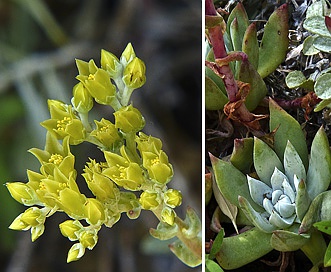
(173, 198)
(168, 216)
(129, 119)
(81, 100)
(149, 200)
(71, 229)
(134, 74)
(106, 133)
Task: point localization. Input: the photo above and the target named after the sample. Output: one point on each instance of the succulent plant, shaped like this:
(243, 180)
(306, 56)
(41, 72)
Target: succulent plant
(275, 195)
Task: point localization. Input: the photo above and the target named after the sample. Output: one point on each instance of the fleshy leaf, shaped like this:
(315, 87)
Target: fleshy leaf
(259, 220)
(226, 207)
(215, 99)
(319, 210)
(324, 226)
(242, 154)
(308, 46)
(322, 86)
(250, 45)
(258, 89)
(288, 240)
(241, 17)
(244, 248)
(293, 164)
(262, 154)
(258, 190)
(302, 200)
(297, 79)
(184, 254)
(288, 129)
(217, 244)
(276, 29)
(319, 171)
(230, 181)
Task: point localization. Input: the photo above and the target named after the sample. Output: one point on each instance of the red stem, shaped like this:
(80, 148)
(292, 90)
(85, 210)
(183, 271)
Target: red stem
(216, 39)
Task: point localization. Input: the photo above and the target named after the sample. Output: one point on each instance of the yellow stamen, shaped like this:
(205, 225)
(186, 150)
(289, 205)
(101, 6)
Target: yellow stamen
(91, 77)
(56, 159)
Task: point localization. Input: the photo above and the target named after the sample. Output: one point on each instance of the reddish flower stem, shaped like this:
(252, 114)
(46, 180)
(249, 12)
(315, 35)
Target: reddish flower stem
(215, 36)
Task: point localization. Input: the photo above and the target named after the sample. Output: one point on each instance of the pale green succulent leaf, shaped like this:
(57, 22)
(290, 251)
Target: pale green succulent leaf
(258, 190)
(308, 48)
(242, 154)
(293, 164)
(281, 222)
(319, 171)
(302, 200)
(262, 154)
(185, 254)
(258, 219)
(277, 180)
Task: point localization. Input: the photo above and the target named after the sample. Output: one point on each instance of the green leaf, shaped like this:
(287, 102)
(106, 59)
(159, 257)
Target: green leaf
(308, 46)
(238, 250)
(216, 244)
(215, 99)
(319, 210)
(288, 240)
(323, 44)
(212, 266)
(258, 219)
(293, 164)
(242, 154)
(324, 226)
(250, 45)
(316, 25)
(265, 161)
(258, 89)
(302, 200)
(226, 207)
(324, 103)
(288, 129)
(184, 253)
(297, 79)
(274, 42)
(323, 86)
(230, 181)
(319, 171)
(241, 17)
(327, 256)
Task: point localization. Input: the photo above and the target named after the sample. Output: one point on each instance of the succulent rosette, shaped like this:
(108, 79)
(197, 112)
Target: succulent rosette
(273, 182)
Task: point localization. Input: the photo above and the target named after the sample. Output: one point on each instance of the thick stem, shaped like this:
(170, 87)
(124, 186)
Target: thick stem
(215, 36)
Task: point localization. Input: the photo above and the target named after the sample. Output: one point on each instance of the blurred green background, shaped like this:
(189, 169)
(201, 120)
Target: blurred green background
(39, 41)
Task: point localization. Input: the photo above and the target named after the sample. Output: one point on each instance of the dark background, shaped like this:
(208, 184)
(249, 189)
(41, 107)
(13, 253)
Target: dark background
(39, 41)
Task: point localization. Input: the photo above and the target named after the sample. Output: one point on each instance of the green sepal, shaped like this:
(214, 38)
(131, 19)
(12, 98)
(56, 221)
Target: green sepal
(164, 231)
(288, 129)
(275, 31)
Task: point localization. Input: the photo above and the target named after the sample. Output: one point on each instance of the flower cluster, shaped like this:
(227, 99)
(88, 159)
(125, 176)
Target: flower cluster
(133, 176)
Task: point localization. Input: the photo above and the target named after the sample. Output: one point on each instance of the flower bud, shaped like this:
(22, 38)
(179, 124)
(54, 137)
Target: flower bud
(173, 198)
(110, 63)
(99, 86)
(22, 193)
(95, 211)
(149, 200)
(158, 167)
(106, 133)
(148, 143)
(71, 229)
(129, 119)
(127, 55)
(168, 216)
(86, 68)
(134, 74)
(81, 100)
(75, 252)
(72, 203)
(88, 239)
(31, 217)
